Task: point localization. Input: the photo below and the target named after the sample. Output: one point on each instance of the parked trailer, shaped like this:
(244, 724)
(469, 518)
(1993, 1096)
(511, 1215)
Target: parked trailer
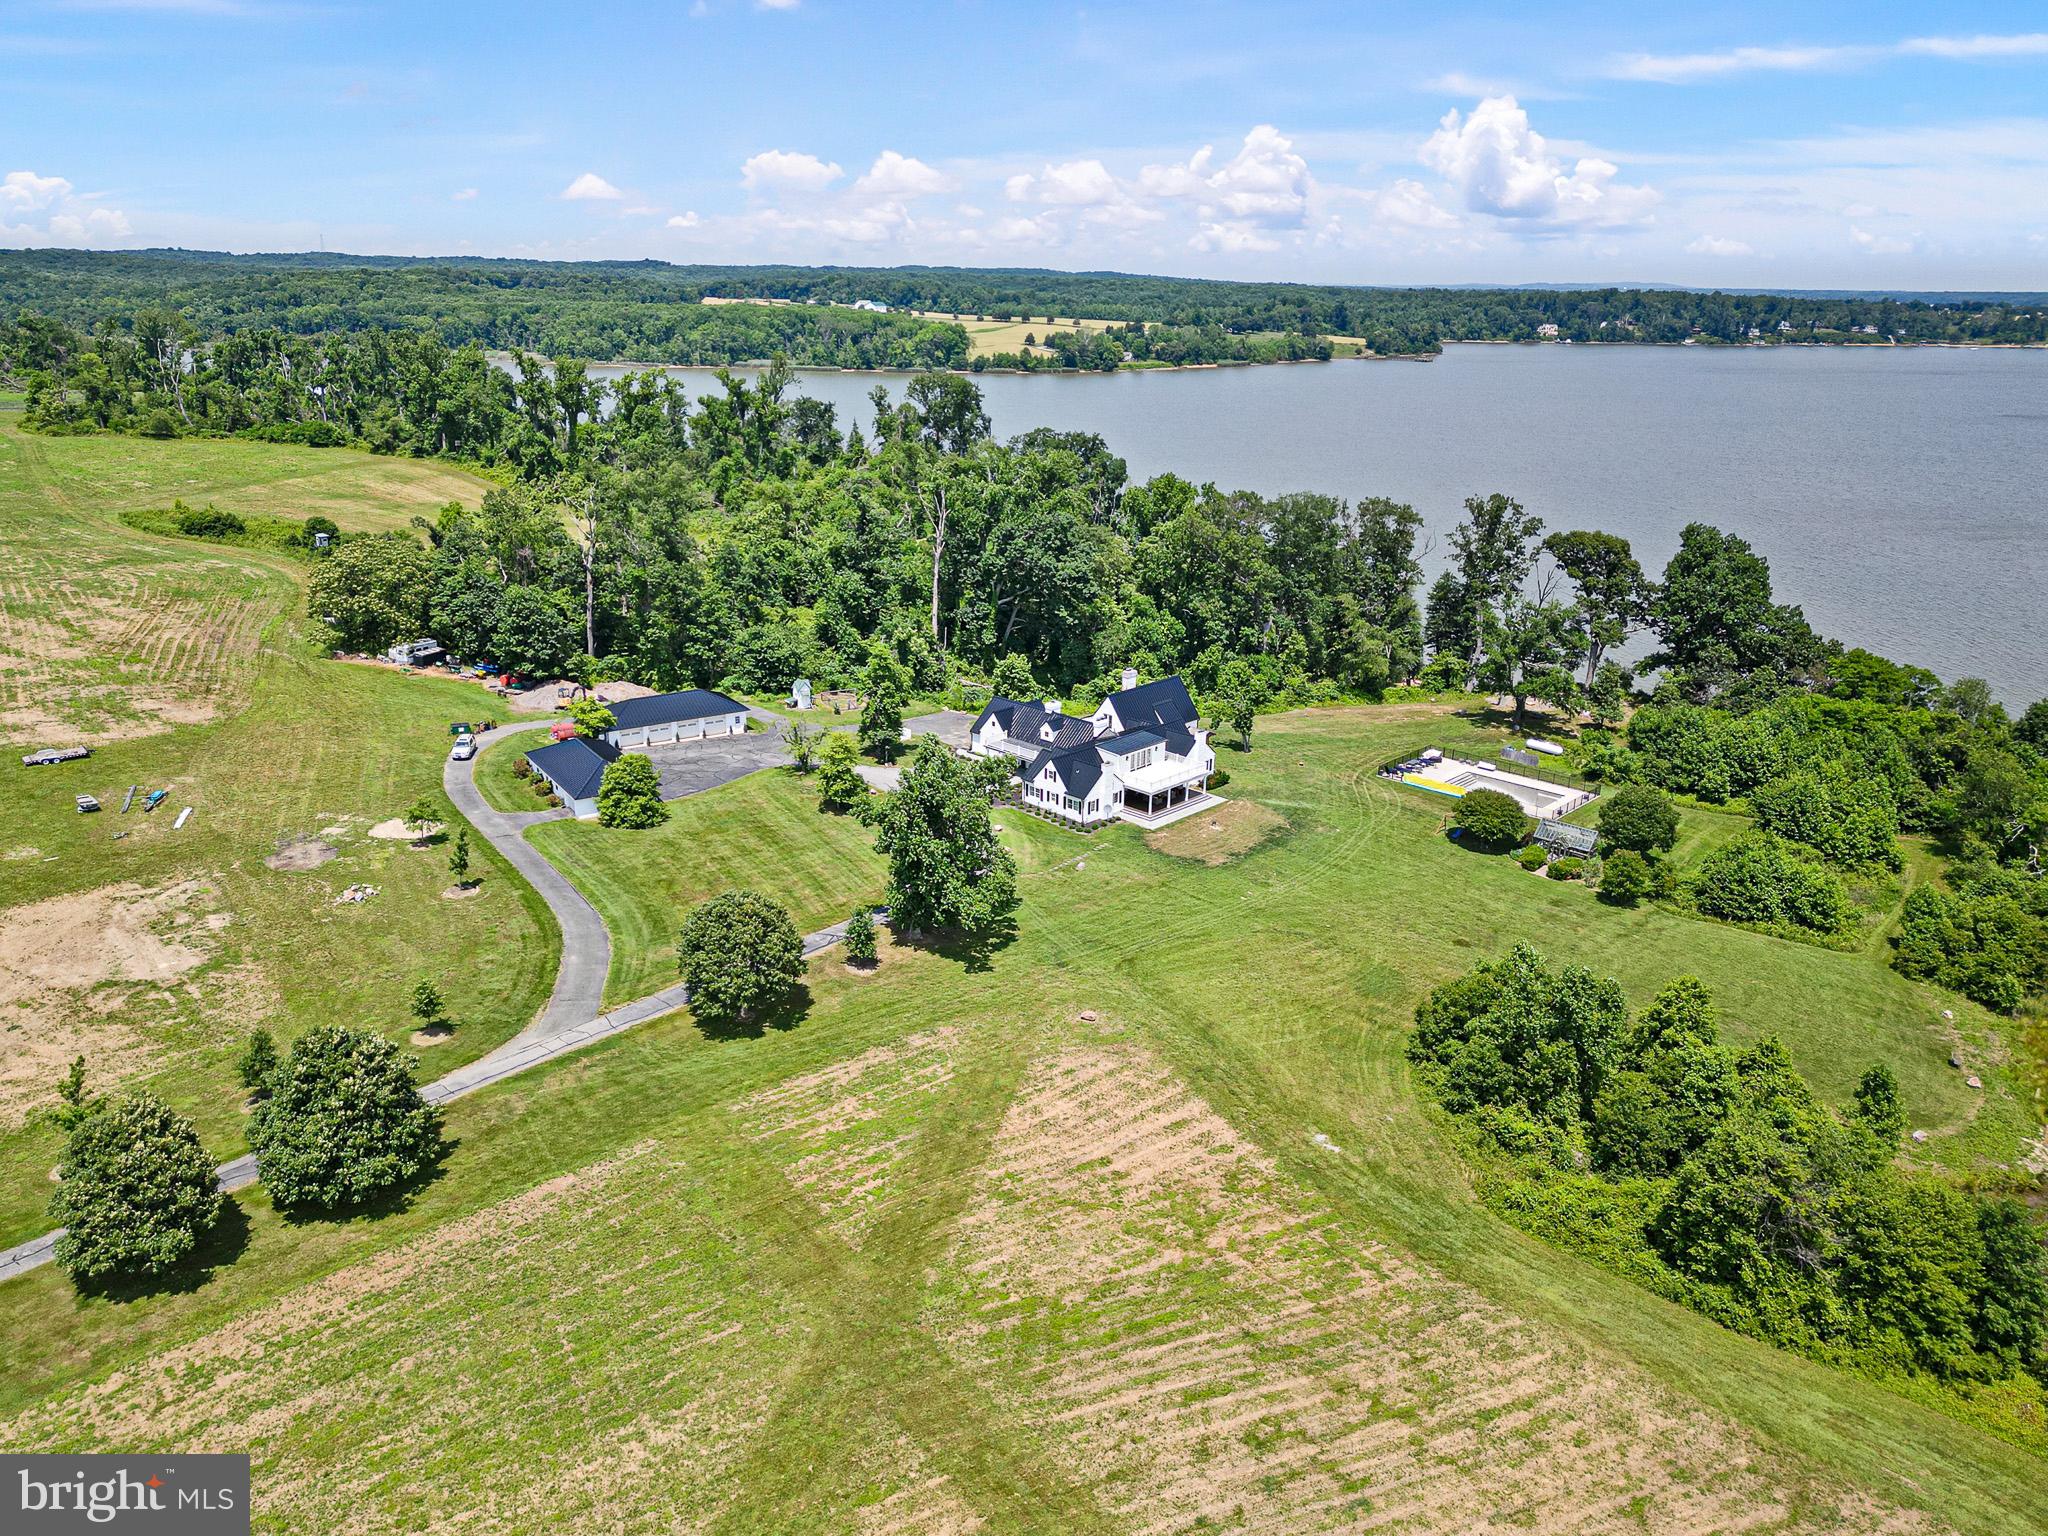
(52, 755)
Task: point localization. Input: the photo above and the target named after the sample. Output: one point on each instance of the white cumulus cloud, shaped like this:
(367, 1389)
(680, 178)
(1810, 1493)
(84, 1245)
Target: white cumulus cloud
(894, 175)
(1074, 184)
(1502, 166)
(26, 192)
(1879, 245)
(684, 220)
(1718, 245)
(591, 187)
(788, 168)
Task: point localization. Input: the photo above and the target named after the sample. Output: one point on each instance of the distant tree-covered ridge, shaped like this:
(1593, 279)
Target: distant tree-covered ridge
(650, 311)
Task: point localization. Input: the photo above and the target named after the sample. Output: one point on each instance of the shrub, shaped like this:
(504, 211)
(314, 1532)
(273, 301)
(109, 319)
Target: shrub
(1626, 877)
(860, 937)
(1491, 819)
(840, 785)
(326, 525)
(1758, 880)
(1219, 777)
(258, 1060)
(207, 522)
(135, 1192)
(1533, 857)
(344, 1121)
(738, 953)
(158, 423)
(1567, 868)
(1640, 818)
(629, 794)
(522, 769)
(1981, 941)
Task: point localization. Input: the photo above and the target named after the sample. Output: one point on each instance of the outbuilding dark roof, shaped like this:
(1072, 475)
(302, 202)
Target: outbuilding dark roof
(663, 708)
(575, 767)
(1164, 702)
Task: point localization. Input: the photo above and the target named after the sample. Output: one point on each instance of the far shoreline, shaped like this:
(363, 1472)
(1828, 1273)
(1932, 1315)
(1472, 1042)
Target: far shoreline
(505, 359)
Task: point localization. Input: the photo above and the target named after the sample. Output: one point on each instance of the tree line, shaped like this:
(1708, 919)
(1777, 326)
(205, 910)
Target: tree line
(651, 311)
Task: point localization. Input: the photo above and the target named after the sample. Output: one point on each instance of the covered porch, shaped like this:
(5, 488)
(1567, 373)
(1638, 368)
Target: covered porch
(1156, 808)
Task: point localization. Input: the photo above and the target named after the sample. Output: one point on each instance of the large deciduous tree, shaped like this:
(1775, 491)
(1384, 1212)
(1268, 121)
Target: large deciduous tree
(946, 869)
(344, 1121)
(739, 953)
(135, 1192)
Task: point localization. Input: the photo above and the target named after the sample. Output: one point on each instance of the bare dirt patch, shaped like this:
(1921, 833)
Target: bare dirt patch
(463, 892)
(1231, 830)
(396, 831)
(1196, 1338)
(69, 961)
(301, 853)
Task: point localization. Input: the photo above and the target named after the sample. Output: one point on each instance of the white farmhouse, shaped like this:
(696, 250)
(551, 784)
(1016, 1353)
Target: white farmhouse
(1142, 756)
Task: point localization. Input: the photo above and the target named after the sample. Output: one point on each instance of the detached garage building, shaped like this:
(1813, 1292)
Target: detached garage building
(661, 718)
(575, 768)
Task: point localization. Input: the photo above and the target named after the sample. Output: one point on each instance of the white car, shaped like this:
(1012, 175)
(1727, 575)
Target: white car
(464, 750)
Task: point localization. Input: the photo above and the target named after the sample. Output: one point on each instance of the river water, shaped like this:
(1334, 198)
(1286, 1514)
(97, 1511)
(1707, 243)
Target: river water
(1901, 496)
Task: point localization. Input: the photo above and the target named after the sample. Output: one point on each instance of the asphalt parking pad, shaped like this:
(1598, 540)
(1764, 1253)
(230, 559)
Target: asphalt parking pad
(691, 767)
(949, 725)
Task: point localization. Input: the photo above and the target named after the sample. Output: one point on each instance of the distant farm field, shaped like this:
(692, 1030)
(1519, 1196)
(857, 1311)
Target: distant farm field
(154, 953)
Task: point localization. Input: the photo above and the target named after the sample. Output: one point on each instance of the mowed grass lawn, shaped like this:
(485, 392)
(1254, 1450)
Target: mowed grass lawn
(153, 954)
(1138, 1220)
(762, 833)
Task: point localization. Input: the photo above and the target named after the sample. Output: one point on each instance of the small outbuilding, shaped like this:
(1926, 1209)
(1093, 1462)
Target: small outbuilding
(1564, 840)
(574, 769)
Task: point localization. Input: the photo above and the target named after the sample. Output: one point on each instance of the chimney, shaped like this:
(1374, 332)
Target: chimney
(1130, 679)
(1052, 706)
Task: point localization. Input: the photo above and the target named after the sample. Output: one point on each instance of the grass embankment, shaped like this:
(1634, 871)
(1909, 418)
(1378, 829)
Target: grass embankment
(762, 833)
(153, 954)
(948, 1248)
(496, 781)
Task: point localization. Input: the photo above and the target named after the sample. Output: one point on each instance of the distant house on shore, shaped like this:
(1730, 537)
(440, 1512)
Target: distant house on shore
(1142, 756)
(871, 306)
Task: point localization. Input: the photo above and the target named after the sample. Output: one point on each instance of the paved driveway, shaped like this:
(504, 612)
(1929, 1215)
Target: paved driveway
(691, 767)
(950, 725)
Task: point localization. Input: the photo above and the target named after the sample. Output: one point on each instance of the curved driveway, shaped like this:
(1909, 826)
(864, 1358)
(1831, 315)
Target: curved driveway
(586, 946)
(572, 1018)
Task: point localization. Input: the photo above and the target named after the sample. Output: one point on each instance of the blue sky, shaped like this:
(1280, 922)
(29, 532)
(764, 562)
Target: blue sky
(1791, 144)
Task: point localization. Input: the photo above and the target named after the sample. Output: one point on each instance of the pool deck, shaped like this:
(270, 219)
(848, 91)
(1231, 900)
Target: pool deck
(1454, 776)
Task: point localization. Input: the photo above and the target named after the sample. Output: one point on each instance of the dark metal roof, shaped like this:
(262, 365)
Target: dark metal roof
(1035, 725)
(1077, 769)
(1130, 741)
(1164, 702)
(662, 708)
(575, 767)
(1000, 710)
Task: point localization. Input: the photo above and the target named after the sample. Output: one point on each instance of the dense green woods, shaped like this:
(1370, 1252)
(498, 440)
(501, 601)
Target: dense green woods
(649, 311)
(1719, 1178)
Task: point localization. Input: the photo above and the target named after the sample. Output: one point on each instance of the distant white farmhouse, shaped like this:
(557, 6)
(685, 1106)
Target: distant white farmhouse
(1142, 756)
(574, 768)
(871, 306)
